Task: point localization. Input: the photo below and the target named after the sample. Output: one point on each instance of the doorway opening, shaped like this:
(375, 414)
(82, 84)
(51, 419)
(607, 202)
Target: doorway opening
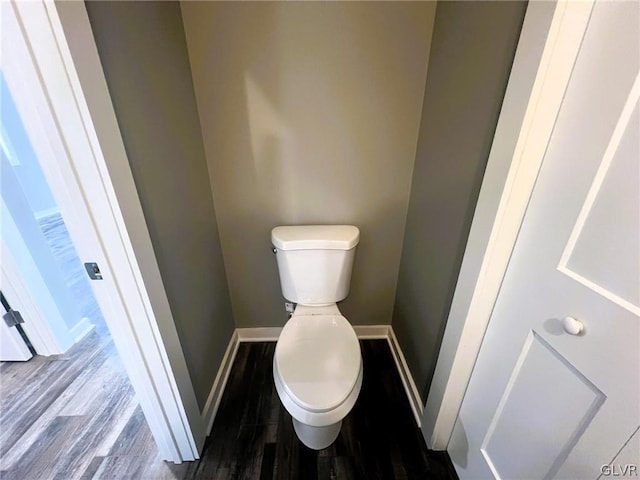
(67, 407)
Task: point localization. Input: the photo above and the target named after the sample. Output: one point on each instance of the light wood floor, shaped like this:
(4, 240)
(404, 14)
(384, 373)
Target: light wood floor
(73, 416)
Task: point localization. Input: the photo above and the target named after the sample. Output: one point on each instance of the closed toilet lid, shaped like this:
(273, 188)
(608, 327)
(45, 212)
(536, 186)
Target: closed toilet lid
(318, 360)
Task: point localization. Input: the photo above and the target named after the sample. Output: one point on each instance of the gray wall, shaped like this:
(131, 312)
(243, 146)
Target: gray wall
(310, 114)
(473, 47)
(144, 56)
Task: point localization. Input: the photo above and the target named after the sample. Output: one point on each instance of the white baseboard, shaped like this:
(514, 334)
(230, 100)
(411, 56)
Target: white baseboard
(371, 332)
(220, 382)
(81, 329)
(262, 334)
(271, 334)
(405, 375)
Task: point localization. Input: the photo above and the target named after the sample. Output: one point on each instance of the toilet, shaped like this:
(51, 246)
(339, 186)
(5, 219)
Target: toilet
(317, 366)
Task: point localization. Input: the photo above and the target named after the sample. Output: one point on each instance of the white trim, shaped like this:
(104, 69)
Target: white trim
(52, 101)
(260, 334)
(16, 292)
(405, 375)
(365, 332)
(469, 317)
(142, 284)
(220, 383)
(81, 329)
(271, 334)
(166, 382)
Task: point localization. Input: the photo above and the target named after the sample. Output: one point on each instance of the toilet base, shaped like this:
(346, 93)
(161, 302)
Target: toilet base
(317, 438)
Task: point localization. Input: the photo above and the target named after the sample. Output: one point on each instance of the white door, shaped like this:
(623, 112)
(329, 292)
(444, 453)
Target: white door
(543, 402)
(12, 346)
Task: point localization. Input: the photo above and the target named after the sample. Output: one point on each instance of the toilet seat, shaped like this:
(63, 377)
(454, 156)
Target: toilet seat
(318, 360)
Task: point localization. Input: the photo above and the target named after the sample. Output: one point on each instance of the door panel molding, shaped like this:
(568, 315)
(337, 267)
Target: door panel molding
(564, 427)
(536, 454)
(496, 225)
(631, 106)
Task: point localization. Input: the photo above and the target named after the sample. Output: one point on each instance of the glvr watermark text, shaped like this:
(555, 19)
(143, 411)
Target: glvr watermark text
(619, 470)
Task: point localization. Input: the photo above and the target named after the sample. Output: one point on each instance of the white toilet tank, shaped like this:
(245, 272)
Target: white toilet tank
(315, 261)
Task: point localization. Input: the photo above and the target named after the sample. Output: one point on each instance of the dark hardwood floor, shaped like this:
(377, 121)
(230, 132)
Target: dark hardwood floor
(253, 436)
(75, 417)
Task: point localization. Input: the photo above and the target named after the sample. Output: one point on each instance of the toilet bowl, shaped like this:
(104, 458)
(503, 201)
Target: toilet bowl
(317, 366)
(317, 370)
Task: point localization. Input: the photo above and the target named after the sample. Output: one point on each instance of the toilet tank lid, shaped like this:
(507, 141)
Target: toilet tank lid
(315, 237)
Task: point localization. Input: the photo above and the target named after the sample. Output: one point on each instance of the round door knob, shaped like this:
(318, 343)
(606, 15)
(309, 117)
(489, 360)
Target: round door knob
(572, 326)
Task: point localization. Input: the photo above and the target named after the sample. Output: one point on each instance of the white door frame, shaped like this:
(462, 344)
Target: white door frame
(84, 161)
(547, 50)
